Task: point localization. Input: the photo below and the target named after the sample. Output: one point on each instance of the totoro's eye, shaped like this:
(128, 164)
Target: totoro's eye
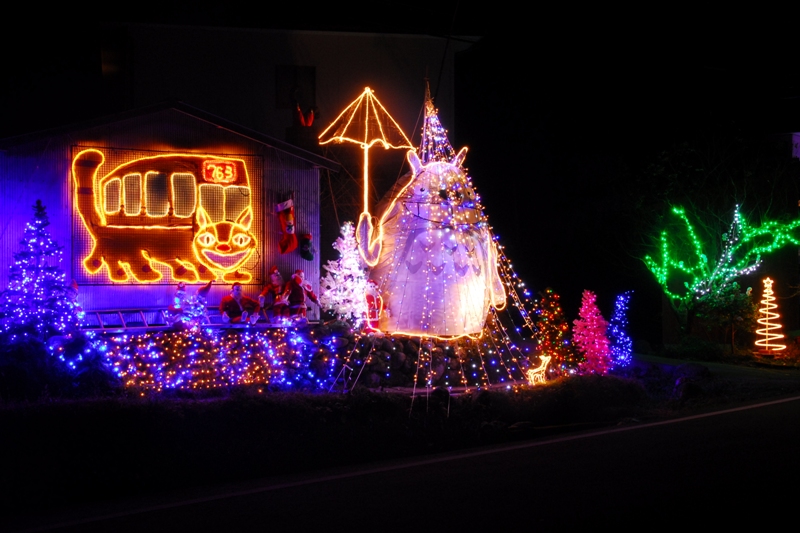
(206, 239)
(240, 240)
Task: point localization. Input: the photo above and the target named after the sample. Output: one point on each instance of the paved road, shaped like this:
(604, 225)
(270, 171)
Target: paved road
(720, 468)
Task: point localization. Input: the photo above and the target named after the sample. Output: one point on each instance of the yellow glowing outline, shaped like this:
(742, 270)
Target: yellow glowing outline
(99, 212)
(119, 197)
(367, 143)
(353, 109)
(194, 188)
(225, 197)
(768, 314)
(111, 175)
(536, 374)
(146, 196)
(224, 179)
(116, 226)
(124, 195)
(444, 338)
(244, 222)
(126, 267)
(185, 264)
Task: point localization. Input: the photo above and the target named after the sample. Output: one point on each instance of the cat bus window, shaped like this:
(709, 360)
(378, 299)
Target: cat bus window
(132, 194)
(113, 196)
(224, 203)
(183, 194)
(156, 194)
(237, 199)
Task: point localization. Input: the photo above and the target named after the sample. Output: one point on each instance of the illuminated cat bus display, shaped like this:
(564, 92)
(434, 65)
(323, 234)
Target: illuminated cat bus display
(189, 212)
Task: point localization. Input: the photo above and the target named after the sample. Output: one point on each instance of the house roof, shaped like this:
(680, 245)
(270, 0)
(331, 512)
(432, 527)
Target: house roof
(186, 109)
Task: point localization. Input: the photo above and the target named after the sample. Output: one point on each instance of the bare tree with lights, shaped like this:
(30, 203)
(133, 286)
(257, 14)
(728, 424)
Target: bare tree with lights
(697, 274)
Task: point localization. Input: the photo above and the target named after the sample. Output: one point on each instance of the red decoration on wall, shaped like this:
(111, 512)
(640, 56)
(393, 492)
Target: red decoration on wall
(288, 242)
(217, 171)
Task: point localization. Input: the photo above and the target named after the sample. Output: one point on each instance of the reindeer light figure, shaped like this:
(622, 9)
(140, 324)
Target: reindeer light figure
(536, 375)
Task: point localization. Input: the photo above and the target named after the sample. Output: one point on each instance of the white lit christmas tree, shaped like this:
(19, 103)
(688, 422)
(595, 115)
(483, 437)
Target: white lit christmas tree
(343, 289)
(589, 334)
(37, 300)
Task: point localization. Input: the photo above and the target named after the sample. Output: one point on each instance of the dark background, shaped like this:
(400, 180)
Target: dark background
(562, 111)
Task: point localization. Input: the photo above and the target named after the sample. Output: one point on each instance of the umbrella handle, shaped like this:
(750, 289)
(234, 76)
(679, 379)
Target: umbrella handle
(366, 179)
(369, 244)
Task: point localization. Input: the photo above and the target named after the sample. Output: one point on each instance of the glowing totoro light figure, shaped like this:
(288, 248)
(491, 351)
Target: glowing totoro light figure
(432, 254)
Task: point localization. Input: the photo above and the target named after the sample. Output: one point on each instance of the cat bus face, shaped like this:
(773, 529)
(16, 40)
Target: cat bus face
(191, 213)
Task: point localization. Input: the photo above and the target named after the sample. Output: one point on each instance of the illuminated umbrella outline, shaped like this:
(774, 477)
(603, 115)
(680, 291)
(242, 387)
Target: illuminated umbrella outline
(366, 122)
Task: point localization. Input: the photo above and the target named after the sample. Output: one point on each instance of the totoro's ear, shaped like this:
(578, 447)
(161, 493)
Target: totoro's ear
(460, 156)
(413, 159)
(202, 217)
(246, 218)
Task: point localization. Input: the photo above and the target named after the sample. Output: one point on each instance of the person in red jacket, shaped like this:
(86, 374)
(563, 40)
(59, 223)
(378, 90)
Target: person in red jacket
(237, 308)
(298, 292)
(271, 298)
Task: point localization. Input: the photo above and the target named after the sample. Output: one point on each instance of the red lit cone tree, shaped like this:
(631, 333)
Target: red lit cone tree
(552, 333)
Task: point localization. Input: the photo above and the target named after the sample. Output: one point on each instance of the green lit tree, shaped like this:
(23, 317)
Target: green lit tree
(699, 275)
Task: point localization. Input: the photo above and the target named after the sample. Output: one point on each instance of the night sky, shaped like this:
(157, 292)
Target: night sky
(559, 114)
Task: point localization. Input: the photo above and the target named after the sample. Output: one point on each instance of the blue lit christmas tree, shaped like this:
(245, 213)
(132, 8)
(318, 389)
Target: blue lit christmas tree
(621, 344)
(37, 302)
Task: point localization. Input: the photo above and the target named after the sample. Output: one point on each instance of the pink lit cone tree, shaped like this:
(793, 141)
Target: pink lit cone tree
(589, 335)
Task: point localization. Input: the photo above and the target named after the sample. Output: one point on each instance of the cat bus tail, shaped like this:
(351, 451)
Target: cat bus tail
(84, 169)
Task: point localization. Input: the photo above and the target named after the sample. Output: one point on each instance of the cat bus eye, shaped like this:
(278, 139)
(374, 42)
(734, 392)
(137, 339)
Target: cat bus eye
(206, 239)
(240, 240)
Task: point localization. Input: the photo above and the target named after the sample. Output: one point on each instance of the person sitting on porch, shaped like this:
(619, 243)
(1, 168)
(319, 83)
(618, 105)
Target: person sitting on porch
(271, 298)
(298, 292)
(237, 308)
